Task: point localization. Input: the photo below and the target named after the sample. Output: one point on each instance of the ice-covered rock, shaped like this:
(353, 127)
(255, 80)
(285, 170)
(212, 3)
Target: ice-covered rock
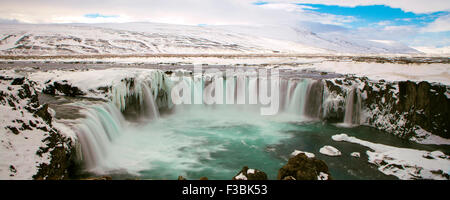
(403, 108)
(250, 174)
(339, 137)
(438, 154)
(296, 152)
(355, 154)
(240, 176)
(404, 163)
(329, 151)
(301, 167)
(322, 176)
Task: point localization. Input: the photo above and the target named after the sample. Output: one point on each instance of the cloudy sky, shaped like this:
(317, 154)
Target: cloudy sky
(414, 22)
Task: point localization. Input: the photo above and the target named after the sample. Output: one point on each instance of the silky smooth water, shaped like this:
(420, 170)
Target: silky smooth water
(217, 141)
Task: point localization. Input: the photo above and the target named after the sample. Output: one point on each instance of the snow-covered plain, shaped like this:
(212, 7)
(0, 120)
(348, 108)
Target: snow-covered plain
(436, 72)
(434, 51)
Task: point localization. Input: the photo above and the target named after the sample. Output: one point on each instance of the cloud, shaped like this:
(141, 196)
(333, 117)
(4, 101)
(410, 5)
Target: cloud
(174, 11)
(9, 21)
(441, 24)
(189, 12)
(97, 15)
(230, 12)
(196, 11)
(415, 6)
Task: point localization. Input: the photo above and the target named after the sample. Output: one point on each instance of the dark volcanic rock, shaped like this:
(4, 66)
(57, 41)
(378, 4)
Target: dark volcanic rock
(401, 108)
(13, 129)
(64, 88)
(44, 114)
(61, 158)
(300, 167)
(21, 97)
(426, 105)
(252, 174)
(18, 81)
(101, 178)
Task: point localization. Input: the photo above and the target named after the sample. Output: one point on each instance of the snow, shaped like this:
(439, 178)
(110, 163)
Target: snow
(143, 38)
(309, 155)
(322, 176)
(19, 151)
(355, 154)
(89, 81)
(64, 129)
(153, 38)
(250, 171)
(329, 151)
(438, 154)
(403, 163)
(434, 51)
(435, 72)
(424, 137)
(241, 177)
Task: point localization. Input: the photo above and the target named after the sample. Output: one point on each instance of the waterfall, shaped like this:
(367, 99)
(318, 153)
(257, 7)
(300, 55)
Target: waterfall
(352, 107)
(230, 90)
(142, 97)
(149, 107)
(314, 99)
(102, 124)
(300, 98)
(136, 98)
(296, 98)
(252, 90)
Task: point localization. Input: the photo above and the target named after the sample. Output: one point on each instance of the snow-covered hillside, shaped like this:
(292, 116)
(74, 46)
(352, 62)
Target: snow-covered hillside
(31, 145)
(150, 38)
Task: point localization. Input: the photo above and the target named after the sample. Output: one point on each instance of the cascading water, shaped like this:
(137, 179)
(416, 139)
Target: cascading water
(296, 98)
(101, 126)
(304, 98)
(177, 143)
(314, 100)
(137, 96)
(352, 107)
(104, 123)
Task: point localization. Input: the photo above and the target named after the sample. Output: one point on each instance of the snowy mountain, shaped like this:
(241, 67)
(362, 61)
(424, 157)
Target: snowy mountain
(152, 38)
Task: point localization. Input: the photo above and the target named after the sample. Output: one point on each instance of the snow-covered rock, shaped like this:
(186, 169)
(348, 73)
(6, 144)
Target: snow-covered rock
(31, 148)
(355, 154)
(322, 176)
(309, 155)
(302, 167)
(411, 110)
(250, 174)
(435, 154)
(404, 163)
(240, 176)
(329, 151)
